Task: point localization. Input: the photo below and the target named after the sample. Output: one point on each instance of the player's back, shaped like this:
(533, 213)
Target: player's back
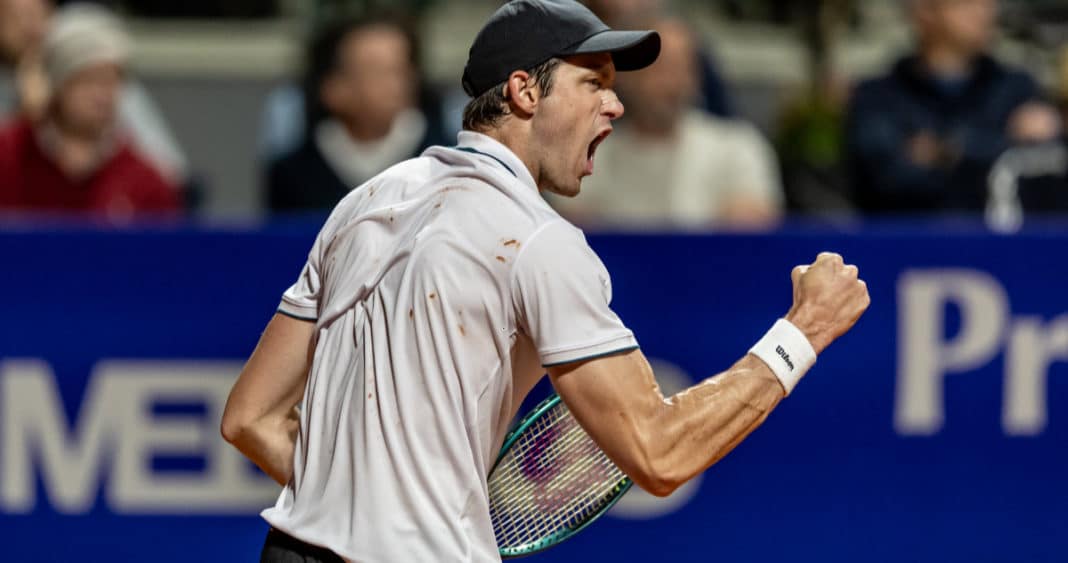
(411, 387)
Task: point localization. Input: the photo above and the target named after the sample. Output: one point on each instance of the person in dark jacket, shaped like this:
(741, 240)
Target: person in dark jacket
(361, 92)
(924, 137)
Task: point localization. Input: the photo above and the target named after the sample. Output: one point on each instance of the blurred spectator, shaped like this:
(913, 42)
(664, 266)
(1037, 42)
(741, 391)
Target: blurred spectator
(669, 164)
(809, 133)
(809, 142)
(282, 124)
(923, 137)
(74, 158)
(22, 27)
(360, 100)
(23, 88)
(712, 94)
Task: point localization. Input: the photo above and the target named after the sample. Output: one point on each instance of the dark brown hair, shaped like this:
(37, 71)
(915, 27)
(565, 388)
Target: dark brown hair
(487, 110)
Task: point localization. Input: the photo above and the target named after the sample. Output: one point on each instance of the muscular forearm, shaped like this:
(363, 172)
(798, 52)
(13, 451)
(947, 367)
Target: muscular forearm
(661, 443)
(697, 427)
(269, 443)
(658, 442)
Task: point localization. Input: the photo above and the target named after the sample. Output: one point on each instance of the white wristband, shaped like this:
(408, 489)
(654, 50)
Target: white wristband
(787, 352)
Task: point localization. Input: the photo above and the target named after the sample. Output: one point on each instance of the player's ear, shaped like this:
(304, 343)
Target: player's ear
(522, 92)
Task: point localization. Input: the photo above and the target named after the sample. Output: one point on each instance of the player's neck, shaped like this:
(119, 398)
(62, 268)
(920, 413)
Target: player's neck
(518, 141)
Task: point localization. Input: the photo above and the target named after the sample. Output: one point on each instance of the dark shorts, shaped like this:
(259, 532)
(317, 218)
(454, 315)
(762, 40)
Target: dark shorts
(281, 547)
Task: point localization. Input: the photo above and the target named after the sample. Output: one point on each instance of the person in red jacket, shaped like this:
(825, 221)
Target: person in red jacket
(73, 159)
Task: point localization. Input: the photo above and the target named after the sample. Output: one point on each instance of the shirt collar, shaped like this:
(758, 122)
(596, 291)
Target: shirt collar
(506, 159)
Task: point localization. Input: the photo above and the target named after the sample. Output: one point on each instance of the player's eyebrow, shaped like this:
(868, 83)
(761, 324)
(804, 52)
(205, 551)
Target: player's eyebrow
(605, 72)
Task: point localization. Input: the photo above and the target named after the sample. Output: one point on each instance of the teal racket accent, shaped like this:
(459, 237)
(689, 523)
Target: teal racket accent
(549, 482)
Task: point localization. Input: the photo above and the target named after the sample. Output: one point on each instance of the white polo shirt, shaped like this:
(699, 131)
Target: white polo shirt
(440, 290)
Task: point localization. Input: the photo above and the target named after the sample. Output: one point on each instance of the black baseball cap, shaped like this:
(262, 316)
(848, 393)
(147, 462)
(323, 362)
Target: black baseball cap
(522, 34)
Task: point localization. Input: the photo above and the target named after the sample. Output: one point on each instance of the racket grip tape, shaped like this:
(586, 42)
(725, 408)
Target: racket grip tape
(787, 351)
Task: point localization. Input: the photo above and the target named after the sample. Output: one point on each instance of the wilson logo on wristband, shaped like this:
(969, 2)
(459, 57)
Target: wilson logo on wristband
(787, 351)
(785, 357)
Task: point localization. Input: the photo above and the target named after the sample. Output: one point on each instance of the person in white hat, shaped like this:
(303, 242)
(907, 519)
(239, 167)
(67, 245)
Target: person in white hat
(24, 85)
(75, 158)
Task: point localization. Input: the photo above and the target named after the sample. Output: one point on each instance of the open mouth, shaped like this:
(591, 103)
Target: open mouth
(592, 149)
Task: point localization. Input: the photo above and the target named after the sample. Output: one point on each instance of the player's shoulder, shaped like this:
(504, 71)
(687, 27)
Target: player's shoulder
(415, 170)
(395, 179)
(492, 196)
(378, 191)
(556, 243)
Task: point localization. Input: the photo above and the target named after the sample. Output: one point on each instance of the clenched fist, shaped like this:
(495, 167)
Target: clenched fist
(828, 299)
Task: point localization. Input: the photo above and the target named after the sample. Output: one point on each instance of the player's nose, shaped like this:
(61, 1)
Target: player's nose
(611, 106)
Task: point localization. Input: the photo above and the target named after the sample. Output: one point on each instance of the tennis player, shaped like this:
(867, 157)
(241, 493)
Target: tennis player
(438, 293)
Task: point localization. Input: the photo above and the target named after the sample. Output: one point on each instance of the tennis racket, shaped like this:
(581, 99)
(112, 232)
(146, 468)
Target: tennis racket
(549, 482)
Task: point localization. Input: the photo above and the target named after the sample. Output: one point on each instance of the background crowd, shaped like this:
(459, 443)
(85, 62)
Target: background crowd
(964, 118)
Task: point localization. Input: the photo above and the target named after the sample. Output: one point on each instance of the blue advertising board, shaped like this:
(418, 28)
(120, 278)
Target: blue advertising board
(935, 431)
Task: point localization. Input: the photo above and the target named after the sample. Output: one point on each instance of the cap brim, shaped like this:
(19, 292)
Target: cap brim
(631, 50)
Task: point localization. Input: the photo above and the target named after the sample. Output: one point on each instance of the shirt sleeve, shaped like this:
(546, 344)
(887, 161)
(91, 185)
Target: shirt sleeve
(301, 300)
(561, 293)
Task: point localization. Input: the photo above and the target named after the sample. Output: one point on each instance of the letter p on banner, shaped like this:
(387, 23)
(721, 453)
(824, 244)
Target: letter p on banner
(925, 356)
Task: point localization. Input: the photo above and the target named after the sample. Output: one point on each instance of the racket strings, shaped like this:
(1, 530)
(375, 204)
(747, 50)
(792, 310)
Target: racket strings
(553, 479)
(562, 503)
(517, 483)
